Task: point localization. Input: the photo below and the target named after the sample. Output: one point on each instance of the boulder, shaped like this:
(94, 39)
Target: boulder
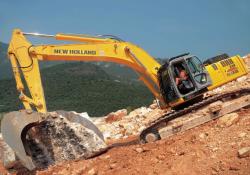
(228, 119)
(244, 152)
(63, 136)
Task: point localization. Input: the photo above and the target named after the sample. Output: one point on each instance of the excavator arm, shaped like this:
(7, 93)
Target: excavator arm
(25, 60)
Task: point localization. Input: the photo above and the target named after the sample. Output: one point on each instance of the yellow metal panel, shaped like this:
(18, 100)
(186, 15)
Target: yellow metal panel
(226, 70)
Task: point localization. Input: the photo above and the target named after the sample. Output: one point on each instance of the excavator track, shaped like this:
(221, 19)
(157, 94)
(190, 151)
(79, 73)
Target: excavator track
(153, 127)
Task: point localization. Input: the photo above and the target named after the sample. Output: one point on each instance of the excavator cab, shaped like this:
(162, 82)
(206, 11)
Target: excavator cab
(182, 78)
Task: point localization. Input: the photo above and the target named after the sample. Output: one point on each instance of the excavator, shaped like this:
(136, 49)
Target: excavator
(178, 86)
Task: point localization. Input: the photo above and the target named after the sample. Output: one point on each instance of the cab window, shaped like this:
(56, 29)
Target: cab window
(195, 65)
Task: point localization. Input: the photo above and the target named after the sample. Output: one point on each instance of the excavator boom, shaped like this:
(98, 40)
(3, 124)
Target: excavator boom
(25, 57)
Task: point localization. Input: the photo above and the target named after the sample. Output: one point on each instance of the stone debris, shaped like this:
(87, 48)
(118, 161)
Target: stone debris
(161, 157)
(244, 152)
(228, 119)
(92, 172)
(154, 105)
(214, 107)
(139, 150)
(112, 165)
(234, 168)
(116, 116)
(241, 79)
(203, 135)
(242, 135)
(126, 125)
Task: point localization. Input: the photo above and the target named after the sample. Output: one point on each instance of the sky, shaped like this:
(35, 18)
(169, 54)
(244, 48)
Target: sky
(163, 28)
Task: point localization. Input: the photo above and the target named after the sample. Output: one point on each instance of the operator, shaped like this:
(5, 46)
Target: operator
(183, 82)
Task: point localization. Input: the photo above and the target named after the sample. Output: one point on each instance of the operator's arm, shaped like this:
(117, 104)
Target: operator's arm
(177, 81)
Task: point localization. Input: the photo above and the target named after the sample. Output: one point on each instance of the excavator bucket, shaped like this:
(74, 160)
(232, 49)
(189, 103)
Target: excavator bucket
(40, 140)
(14, 127)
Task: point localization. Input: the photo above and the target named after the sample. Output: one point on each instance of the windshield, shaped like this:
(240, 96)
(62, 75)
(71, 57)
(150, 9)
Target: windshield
(195, 65)
(197, 69)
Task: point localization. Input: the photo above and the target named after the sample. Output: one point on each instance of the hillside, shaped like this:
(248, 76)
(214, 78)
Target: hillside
(81, 87)
(5, 69)
(98, 87)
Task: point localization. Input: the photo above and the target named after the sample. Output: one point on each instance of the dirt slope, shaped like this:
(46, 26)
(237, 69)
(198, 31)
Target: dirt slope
(209, 149)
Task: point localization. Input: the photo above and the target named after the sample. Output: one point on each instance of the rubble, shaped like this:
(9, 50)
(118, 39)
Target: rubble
(228, 119)
(203, 135)
(234, 168)
(126, 125)
(154, 105)
(242, 135)
(244, 152)
(92, 172)
(139, 150)
(116, 116)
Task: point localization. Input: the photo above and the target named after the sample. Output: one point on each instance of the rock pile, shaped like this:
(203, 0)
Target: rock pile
(123, 124)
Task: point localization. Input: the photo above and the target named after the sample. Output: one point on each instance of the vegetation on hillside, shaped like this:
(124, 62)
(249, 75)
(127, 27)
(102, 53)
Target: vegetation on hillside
(81, 87)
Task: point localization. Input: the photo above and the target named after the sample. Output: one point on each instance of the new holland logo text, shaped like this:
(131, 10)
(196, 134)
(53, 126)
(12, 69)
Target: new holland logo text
(74, 52)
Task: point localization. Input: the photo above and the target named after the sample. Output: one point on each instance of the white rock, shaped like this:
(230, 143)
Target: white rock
(139, 150)
(241, 79)
(244, 152)
(243, 134)
(228, 119)
(203, 135)
(92, 172)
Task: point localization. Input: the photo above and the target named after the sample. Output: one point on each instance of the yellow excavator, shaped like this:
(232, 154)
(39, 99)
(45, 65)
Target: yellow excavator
(177, 84)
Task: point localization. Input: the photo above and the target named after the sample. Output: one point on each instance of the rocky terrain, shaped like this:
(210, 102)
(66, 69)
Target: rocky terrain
(218, 147)
(214, 148)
